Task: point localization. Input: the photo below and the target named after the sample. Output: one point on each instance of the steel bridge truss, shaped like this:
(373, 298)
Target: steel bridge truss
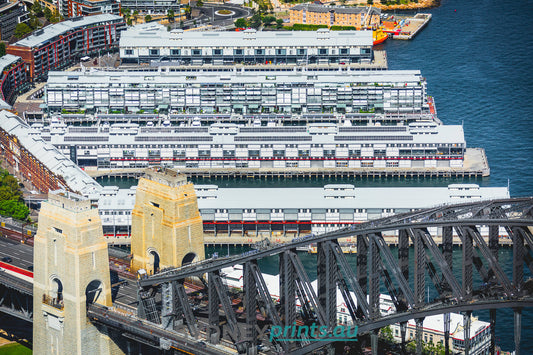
(405, 272)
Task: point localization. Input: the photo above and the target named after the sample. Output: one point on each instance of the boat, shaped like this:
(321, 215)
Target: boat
(379, 36)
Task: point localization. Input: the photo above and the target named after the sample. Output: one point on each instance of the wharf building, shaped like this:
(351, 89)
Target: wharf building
(146, 43)
(239, 92)
(14, 77)
(60, 45)
(12, 12)
(318, 146)
(248, 215)
(312, 14)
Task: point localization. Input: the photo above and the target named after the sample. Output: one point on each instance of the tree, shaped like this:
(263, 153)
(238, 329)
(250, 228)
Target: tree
(2, 49)
(267, 20)
(56, 16)
(199, 3)
(47, 13)
(279, 23)
(21, 30)
(170, 15)
(386, 334)
(256, 20)
(370, 2)
(37, 9)
(241, 23)
(147, 18)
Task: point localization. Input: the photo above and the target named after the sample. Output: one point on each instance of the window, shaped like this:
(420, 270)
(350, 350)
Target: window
(281, 51)
(343, 51)
(259, 52)
(175, 52)
(154, 51)
(128, 51)
(217, 51)
(237, 52)
(196, 52)
(323, 51)
(301, 51)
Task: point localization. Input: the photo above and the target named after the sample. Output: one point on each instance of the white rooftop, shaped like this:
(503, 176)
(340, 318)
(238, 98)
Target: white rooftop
(102, 78)
(398, 198)
(156, 35)
(7, 60)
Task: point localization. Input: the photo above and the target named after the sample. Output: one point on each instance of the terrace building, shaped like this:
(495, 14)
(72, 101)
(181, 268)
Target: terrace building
(62, 44)
(38, 161)
(358, 17)
(152, 42)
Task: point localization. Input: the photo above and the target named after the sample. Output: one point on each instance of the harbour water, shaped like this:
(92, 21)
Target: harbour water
(477, 64)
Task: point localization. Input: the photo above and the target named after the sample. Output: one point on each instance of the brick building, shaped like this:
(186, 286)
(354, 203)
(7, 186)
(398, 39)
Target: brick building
(39, 161)
(358, 17)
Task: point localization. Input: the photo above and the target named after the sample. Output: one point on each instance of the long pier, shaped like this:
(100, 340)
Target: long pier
(475, 165)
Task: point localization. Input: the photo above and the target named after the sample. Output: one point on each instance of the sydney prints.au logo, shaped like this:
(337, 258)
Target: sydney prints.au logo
(313, 333)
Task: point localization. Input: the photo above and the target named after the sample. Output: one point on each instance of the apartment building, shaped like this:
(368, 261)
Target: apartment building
(60, 45)
(14, 77)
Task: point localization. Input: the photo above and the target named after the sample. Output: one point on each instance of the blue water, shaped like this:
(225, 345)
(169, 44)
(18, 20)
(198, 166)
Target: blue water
(476, 56)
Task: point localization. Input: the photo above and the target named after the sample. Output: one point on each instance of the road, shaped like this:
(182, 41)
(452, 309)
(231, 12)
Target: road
(209, 15)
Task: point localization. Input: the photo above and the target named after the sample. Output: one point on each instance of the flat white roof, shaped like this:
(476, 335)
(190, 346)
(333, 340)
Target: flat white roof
(7, 60)
(101, 78)
(368, 198)
(155, 35)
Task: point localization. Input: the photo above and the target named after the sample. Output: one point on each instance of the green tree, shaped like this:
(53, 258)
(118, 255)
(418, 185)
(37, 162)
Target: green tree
(267, 20)
(170, 15)
(47, 13)
(241, 22)
(37, 9)
(386, 334)
(21, 30)
(256, 20)
(56, 17)
(199, 3)
(136, 13)
(2, 49)
(370, 2)
(279, 23)
(147, 18)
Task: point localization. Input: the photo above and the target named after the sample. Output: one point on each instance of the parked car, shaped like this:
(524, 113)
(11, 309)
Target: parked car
(7, 259)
